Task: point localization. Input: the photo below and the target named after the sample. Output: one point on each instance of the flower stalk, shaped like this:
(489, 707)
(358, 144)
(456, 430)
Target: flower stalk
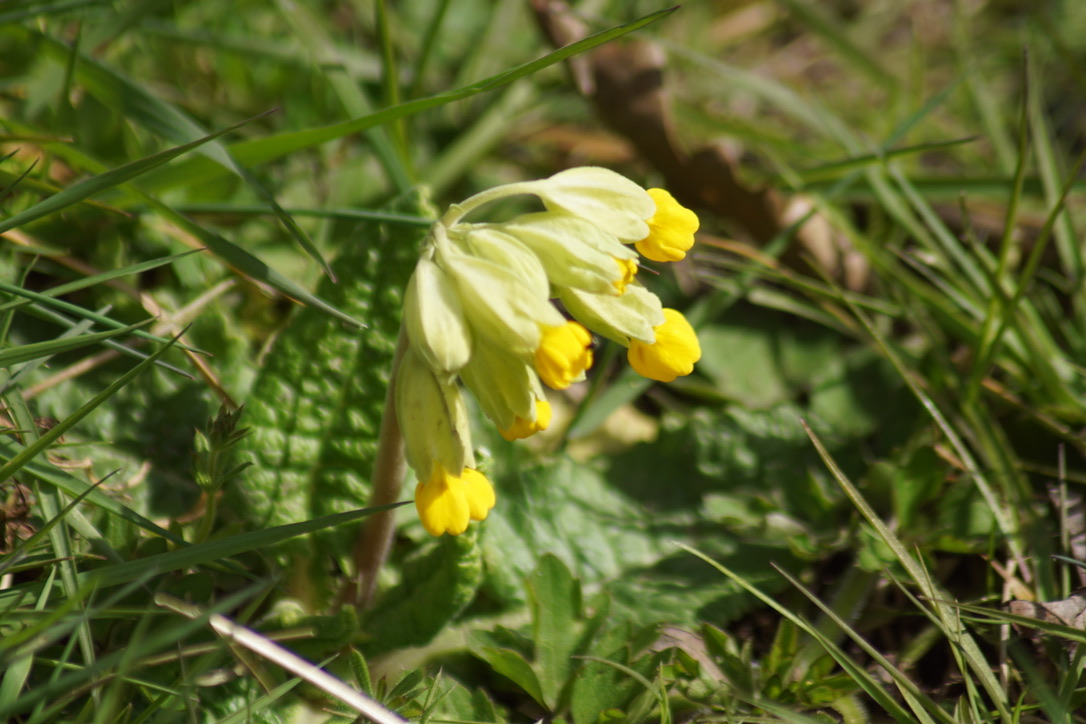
(375, 538)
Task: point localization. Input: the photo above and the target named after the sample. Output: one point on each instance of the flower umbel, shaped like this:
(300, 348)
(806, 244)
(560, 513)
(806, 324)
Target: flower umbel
(480, 309)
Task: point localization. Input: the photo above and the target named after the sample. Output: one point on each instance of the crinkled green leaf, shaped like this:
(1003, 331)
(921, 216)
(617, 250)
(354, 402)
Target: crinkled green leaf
(316, 405)
(555, 599)
(616, 528)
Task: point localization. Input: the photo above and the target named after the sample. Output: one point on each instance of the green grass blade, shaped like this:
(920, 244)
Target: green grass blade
(39, 350)
(852, 668)
(102, 278)
(926, 707)
(49, 300)
(15, 181)
(981, 614)
(953, 629)
(132, 100)
(8, 315)
(246, 263)
(327, 56)
(433, 29)
(999, 309)
(50, 503)
(68, 483)
(836, 169)
(945, 241)
(329, 213)
(215, 550)
(817, 21)
(57, 690)
(390, 85)
(230, 253)
(87, 188)
(36, 11)
(1068, 243)
(74, 327)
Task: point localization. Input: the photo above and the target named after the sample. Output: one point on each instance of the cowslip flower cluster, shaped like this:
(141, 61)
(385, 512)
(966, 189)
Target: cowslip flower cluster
(480, 308)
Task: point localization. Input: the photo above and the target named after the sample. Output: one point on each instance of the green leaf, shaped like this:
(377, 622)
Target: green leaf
(555, 600)
(568, 510)
(604, 681)
(514, 667)
(48, 300)
(316, 405)
(87, 188)
(435, 588)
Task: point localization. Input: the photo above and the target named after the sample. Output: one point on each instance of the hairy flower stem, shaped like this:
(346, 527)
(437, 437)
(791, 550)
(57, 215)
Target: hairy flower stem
(375, 537)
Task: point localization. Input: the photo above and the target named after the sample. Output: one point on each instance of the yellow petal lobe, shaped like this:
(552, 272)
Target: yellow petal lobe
(563, 355)
(443, 504)
(671, 229)
(479, 493)
(672, 355)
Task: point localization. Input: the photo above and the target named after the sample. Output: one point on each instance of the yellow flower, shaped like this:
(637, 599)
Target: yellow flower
(563, 355)
(446, 503)
(671, 229)
(523, 427)
(672, 355)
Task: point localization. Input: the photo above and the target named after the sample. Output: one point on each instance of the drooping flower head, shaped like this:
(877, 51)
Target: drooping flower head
(480, 308)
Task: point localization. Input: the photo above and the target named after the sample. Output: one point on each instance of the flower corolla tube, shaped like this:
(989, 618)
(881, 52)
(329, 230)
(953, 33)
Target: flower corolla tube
(480, 309)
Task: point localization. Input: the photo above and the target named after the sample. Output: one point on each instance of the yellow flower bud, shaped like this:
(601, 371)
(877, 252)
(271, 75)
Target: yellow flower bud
(523, 427)
(574, 252)
(672, 355)
(671, 229)
(563, 355)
